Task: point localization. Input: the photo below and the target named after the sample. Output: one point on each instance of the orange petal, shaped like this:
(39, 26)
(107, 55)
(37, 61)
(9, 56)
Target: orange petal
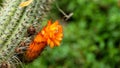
(49, 23)
(51, 44)
(60, 35)
(56, 22)
(57, 43)
(39, 38)
(48, 41)
(59, 38)
(43, 32)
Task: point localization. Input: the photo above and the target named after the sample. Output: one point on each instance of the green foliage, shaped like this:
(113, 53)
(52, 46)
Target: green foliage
(91, 36)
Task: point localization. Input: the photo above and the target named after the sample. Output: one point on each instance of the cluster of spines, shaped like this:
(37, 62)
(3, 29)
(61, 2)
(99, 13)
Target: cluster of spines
(14, 22)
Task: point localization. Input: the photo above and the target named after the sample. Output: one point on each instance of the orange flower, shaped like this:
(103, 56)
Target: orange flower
(53, 33)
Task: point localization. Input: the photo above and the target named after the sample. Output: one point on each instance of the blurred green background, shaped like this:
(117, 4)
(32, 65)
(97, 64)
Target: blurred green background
(91, 36)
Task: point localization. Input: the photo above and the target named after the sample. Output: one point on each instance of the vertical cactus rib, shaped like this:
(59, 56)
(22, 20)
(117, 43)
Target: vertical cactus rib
(16, 33)
(8, 13)
(5, 18)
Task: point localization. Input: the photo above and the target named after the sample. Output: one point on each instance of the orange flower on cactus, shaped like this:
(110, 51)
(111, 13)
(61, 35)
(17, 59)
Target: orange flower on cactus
(53, 33)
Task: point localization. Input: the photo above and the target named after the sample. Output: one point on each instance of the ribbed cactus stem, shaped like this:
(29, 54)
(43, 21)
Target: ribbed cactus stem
(5, 20)
(7, 13)
(14, 22)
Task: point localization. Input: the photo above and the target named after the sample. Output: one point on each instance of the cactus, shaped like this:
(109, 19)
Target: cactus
(14, 22)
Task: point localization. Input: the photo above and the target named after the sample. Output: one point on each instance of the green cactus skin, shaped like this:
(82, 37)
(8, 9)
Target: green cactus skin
(14, 22)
